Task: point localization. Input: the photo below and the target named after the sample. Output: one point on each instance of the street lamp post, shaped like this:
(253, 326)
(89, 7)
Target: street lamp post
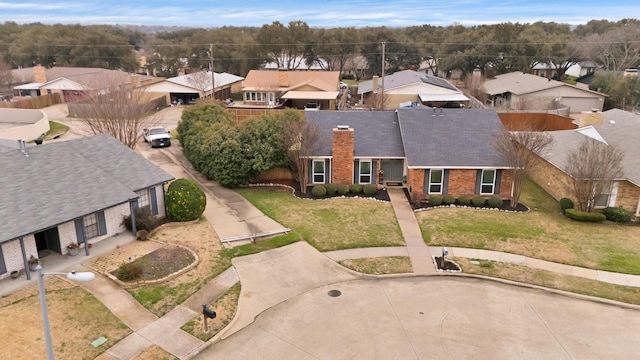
(78, 277)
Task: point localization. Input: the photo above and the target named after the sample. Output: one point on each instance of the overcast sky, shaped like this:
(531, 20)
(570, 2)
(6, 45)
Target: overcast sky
(327, 13)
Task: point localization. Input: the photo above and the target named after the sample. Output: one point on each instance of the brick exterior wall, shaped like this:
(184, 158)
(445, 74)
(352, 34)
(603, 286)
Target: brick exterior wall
(559, 185)
(342, 152)
(415, 182)
(628, 196)
(551, 179)
(461, 182)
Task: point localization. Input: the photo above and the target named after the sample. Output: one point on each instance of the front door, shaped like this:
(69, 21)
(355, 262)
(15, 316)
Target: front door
(393, 169)
(48, 240)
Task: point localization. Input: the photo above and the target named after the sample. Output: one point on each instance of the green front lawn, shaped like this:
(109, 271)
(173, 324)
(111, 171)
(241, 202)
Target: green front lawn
(329, 224)
(543, 233)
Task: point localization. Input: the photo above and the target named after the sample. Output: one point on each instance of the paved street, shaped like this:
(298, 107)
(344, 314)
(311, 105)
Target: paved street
(426, 317)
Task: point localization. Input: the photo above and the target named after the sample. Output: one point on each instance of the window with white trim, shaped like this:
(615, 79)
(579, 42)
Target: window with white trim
(91, 228)
(318, 171)
(602, 200)
(488, 184)
(435, 181)
(143, 198)
(365, 172)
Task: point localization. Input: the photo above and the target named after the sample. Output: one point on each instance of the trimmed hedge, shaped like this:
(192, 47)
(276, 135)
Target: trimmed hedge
(617, 214)
(494, 202)
(370, 189)
(343, 189)
(355, 188)
(331, 189)
(435, 200)
(566, 203)
(319, 191)
(464, 200)
(185, 200)
(448, 199)
(583, 216)
(478, 200)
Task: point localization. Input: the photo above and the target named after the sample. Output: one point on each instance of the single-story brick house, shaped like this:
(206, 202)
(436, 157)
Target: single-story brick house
(75, 191)
(429, 151)
(618, 127)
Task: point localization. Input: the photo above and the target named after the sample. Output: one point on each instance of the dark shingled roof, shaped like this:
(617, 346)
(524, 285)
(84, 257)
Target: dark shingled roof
(451, 138)
(376, 133)
(61, 181)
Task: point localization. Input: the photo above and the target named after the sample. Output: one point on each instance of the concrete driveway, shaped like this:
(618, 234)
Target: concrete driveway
(430, 317)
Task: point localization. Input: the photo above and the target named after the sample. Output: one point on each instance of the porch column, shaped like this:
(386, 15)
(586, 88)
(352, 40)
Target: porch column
(638, 208)
(132, 207)
(24, 259)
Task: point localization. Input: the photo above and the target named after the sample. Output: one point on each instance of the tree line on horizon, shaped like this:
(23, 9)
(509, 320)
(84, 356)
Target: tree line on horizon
(502, 48)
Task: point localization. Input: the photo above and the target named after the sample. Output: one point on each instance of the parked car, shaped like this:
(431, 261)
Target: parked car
(312, 106)
(157, 136)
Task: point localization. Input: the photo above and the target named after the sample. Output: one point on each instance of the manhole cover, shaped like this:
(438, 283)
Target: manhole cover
(334, 293)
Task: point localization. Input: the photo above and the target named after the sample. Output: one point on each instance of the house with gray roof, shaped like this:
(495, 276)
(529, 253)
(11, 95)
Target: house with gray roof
(427, 150)
(73, 83)
(409, 86)
(521, 91)
(71, 192)
(617, 127)
(191, 87)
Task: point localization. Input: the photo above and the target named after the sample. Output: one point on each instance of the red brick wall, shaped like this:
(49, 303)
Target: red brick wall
(342, 152)
(415, 182)
(461, 182)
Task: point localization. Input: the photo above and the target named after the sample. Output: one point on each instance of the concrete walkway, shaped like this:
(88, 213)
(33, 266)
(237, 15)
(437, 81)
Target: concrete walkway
(421, 259)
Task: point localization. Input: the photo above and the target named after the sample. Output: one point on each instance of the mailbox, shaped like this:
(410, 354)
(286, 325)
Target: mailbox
(208, 312)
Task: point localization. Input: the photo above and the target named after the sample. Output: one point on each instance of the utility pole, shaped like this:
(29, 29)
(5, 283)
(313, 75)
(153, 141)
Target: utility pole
(213, 83)
(382, 87)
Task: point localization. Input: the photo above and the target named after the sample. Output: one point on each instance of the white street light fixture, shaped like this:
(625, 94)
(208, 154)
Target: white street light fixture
(75, 276)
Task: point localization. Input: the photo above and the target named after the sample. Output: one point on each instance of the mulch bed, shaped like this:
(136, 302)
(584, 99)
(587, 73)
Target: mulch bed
(506, 206)
(381, 195)
(448, 265)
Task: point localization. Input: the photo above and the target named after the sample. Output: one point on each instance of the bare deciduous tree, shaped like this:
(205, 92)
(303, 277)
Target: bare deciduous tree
(593, 166)
(120, 111)
(6, 76)
(521, 148)
(376, 101)
(200, 80)
(300, 139)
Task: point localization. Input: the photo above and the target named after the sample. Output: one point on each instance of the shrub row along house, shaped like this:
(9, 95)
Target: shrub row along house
(70, 193)
(428, 150)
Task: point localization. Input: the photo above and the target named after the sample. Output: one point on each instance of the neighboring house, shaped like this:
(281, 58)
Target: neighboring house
(582, 68)
(73, 82)
(521, 91)
(409, 86)
(617, 127)
(545, 70)
(429, 151)
(188, 88)
(283, 88)
(75, 191)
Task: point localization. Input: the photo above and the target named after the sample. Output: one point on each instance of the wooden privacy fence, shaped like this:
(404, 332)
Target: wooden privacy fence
(515, 121)
(38, 102)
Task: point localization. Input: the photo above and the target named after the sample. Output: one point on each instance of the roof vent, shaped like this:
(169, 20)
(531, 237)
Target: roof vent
(343, 127)
(612, 122)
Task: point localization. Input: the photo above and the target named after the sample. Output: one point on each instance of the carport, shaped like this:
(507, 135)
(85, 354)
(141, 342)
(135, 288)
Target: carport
(298, 99)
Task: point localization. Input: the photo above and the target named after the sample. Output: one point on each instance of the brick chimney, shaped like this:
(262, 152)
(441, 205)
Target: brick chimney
(342, 152)
(39, 74)
(135, 80)
(283, 78)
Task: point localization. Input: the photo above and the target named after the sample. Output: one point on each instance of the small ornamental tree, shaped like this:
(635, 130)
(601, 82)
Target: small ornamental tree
(185, 200)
